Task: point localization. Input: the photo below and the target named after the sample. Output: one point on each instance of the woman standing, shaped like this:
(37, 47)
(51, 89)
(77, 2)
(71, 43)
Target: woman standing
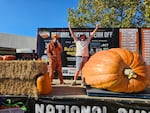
(82, 52)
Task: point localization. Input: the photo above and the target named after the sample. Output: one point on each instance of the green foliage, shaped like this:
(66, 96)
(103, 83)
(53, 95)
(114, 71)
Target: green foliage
(110, 13)
(147, 12)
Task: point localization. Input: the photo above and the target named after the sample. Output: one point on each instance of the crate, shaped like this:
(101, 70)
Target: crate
(12, 110)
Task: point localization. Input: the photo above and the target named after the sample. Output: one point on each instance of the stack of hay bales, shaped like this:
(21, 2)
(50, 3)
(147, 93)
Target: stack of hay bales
(17, 77)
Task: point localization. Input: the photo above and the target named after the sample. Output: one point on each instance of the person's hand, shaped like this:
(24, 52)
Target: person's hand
(97, 25)
(69, 24)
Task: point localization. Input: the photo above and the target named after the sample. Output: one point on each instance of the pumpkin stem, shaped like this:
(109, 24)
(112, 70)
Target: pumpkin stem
(130, 73)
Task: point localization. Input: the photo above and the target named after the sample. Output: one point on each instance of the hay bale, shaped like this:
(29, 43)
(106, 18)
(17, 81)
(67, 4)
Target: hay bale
(17, 87)
(17, 77)
(21, 69)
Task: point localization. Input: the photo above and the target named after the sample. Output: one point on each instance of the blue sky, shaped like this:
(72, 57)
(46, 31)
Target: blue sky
(23, 17)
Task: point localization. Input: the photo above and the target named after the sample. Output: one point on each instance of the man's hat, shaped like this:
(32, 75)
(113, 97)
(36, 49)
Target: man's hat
(55, 36)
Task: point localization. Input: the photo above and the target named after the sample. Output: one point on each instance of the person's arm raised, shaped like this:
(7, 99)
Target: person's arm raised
(94, 31)
(72, 33)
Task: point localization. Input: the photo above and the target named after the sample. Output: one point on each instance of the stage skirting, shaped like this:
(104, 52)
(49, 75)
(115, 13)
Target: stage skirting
(79, 104)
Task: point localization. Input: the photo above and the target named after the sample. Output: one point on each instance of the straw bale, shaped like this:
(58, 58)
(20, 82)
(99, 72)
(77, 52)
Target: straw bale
(17, 77)
(21, 69)
(18, 87)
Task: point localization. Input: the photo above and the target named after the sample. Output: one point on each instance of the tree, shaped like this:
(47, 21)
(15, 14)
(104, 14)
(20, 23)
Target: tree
(110, 13)
(147, 12)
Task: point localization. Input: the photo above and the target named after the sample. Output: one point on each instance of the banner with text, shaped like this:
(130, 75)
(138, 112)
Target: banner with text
(102, 40)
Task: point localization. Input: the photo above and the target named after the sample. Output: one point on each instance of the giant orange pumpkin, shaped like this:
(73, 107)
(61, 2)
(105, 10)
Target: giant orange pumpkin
(43, 84)
(117, 70)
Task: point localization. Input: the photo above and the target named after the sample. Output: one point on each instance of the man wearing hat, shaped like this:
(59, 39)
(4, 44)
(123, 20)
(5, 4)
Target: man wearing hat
(82, 52)
(54, 50)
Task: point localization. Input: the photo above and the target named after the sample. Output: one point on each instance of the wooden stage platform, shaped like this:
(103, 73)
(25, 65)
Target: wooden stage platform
(78, 99)
(79, 91)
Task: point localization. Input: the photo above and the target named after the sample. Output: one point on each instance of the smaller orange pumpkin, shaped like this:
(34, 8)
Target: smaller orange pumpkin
(43, 84)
